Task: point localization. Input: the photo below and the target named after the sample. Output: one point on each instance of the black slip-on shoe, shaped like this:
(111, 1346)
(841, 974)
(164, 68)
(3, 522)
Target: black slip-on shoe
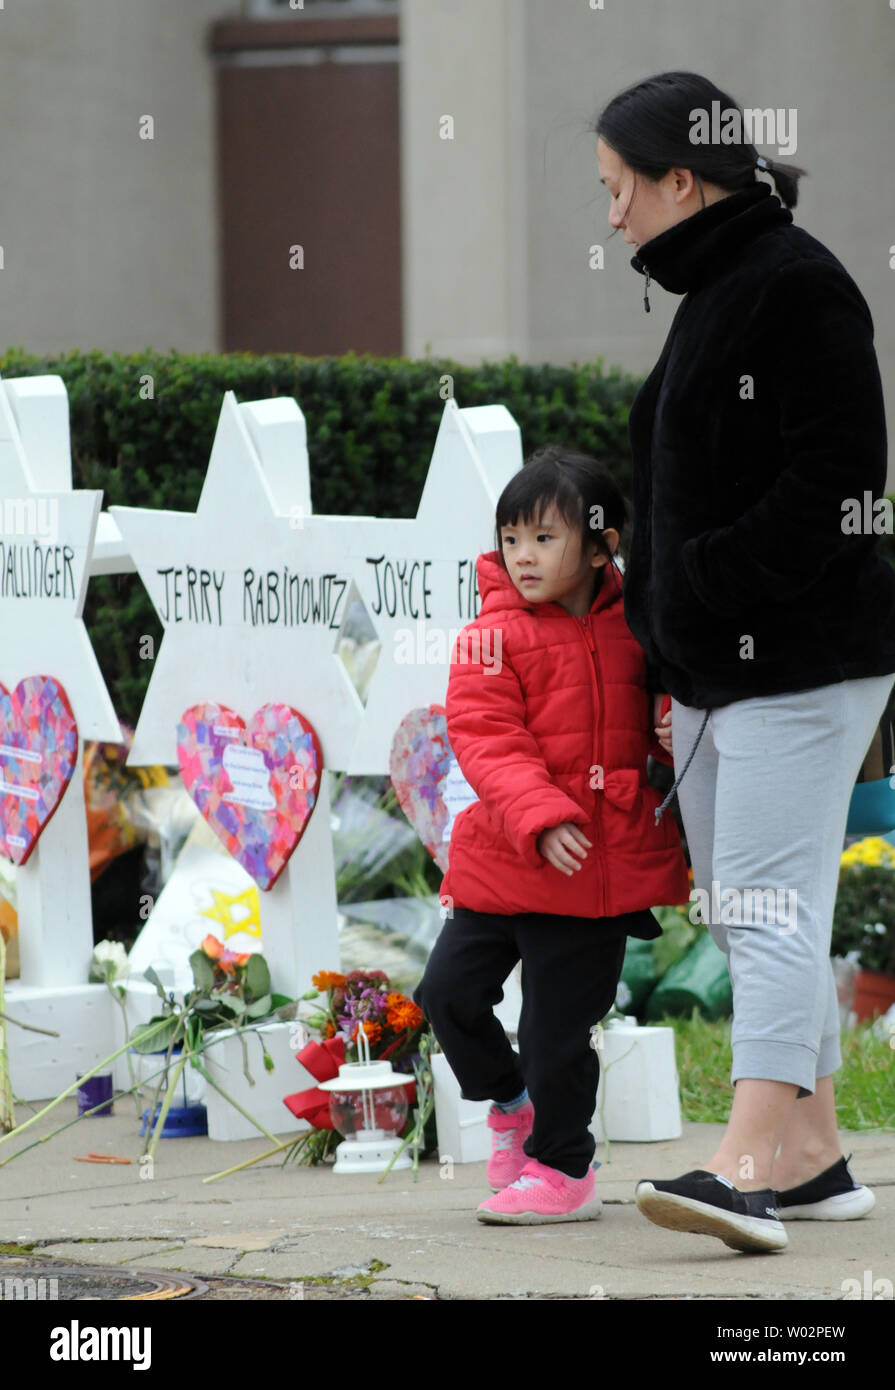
(832, 1196)
(708, 1204)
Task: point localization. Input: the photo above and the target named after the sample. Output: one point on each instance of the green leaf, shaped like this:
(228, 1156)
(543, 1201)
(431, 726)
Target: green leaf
(279, 1001)
(228, 1006)
(160, 1041)
(207, 1006)
(260, 1007)
(150, 975)
(203, 970)
(257, 977)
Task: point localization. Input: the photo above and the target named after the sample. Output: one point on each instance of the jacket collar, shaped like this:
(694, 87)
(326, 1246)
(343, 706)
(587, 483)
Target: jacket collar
(499, 592)
(695, 251)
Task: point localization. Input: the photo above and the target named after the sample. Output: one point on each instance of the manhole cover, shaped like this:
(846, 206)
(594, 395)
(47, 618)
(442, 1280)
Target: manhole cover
(32, 1279)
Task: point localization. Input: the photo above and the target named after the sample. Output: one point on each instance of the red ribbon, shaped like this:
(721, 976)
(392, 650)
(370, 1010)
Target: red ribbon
(323, 1060)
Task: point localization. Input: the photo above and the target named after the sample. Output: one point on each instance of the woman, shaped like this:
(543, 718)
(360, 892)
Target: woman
(769, 622)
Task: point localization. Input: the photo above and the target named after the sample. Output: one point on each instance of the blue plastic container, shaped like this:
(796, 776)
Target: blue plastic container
(181, 1122)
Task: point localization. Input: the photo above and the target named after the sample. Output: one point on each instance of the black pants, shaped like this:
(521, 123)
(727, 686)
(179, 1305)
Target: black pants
(570, 971)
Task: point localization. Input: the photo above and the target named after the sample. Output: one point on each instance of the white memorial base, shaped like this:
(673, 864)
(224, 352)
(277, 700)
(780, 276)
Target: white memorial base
(90, 1027)
(223, 1061)
(638, 1094)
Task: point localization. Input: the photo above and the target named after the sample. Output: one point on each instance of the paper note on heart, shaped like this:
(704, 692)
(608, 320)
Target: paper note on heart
(427, 779)
(255, 784)
(38, 754)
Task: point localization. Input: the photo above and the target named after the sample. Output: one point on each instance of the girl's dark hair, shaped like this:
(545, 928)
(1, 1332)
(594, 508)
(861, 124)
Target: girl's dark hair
(649, 125)
(584, 491)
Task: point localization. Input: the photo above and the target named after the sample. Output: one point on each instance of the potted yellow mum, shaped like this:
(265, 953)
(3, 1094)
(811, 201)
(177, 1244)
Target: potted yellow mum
(864, 921)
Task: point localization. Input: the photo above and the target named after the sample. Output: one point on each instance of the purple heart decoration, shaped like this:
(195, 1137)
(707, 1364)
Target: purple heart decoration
(426, 778)
(38, 755)
(256, 784)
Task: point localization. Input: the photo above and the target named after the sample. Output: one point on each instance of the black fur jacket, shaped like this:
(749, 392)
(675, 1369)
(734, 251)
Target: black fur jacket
(759, 450)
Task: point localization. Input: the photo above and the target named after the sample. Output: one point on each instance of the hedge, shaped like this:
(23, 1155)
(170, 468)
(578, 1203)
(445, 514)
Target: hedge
(372, 424)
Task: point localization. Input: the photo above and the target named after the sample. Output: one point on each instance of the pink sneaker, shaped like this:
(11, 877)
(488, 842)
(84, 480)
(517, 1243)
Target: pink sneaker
(541, 1194)
(508, 1134)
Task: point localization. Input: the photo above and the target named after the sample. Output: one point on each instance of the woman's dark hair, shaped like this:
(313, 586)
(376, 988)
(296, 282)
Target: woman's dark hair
(583, 490)
(649, 126)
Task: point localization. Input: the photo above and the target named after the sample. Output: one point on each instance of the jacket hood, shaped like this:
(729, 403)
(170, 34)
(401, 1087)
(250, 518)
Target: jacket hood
(499, 592)
(694, 251)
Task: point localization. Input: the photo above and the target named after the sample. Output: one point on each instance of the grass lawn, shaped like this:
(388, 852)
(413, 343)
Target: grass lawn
(865, 1083)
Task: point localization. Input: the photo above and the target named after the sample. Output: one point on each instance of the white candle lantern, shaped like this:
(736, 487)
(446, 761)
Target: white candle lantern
(368, 1106)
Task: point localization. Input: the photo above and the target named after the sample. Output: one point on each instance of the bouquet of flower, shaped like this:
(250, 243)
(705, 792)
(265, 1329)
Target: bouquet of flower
(230, 990)
(364, 998)
(396, 1031)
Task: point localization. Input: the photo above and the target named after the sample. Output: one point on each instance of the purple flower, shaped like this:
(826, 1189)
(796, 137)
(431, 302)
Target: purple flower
(366, 1005)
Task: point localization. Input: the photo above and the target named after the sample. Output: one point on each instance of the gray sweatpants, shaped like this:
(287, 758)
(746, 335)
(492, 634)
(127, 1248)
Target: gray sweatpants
(764, 804)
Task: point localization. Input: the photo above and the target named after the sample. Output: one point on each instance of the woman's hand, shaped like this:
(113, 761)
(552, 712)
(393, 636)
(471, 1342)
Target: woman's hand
(561, 843)
(662, 726)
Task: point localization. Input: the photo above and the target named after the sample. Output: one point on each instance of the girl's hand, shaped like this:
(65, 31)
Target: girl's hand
(561, 843)
(662, 726)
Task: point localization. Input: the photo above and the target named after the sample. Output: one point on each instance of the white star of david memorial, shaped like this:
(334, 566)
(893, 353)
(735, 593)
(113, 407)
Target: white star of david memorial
(46, 540)
(417, 577)
(252, 590)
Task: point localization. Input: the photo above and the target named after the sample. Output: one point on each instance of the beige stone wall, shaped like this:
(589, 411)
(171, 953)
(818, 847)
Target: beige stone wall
(109, 241)
(499, 222)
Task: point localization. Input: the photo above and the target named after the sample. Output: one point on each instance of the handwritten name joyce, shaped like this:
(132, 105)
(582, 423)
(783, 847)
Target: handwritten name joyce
(403, 587)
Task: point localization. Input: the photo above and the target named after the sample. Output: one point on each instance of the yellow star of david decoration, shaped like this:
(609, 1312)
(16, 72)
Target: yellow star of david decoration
(222, 912)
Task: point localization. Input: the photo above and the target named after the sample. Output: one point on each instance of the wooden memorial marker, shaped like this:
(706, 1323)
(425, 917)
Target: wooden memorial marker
(252, 591)
(418, 577)
(45, 547)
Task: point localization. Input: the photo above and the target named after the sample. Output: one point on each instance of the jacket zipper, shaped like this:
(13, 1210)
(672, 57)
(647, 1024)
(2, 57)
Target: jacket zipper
(593, 665)
(665, 358)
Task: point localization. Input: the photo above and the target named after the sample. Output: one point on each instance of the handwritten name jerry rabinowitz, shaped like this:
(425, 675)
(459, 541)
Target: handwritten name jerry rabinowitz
(77, 1343)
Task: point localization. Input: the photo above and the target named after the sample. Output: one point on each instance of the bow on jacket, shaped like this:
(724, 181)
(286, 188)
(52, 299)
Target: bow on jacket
(621, 786)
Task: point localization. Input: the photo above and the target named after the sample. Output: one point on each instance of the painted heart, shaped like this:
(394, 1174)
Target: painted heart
(38, 755)
(427, 779)
(256, 784)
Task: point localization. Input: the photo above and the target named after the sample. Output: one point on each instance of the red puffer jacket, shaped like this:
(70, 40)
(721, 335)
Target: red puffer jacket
(557, 729)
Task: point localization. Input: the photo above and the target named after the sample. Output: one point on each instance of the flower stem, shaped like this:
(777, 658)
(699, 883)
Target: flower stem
(44, 1139)
(29, 1027)
(70, 1090)
(120, 997)
(166, 1103)
(236, 1106)
(7, 1105)
(238, 1167)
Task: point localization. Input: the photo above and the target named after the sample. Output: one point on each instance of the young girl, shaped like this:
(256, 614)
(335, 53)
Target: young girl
(560, 859)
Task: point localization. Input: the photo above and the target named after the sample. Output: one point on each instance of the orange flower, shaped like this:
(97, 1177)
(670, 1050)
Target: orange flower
(402, 1013)
(231, 960)
(328, 979)
(372, 1030)
(213, 948)
(330, 1029)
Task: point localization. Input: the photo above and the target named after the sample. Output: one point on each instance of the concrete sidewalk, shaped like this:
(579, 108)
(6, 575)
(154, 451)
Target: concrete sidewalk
(398, 1239)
